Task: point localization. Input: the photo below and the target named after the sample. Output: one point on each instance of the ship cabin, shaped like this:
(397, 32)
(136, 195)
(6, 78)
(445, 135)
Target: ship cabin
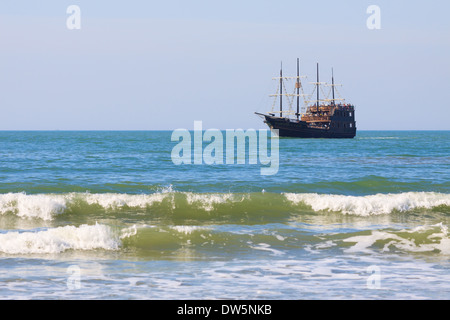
(336, 116)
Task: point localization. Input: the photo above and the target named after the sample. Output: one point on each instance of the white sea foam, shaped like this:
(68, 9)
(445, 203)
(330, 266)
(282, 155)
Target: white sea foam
(129, 232)
(372, 204)
(47, 206)
(118, 200)
(33, 206)
(437, 240)
(60, 239)
(207, 201)
(267, 247)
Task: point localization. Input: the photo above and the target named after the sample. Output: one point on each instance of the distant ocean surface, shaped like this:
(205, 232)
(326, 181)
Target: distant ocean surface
(108, 215)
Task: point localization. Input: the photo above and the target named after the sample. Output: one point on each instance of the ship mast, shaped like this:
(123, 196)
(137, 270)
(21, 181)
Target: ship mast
(281, 90)
(298, 88)
(332, 84)
(333, 90)
(317, 103)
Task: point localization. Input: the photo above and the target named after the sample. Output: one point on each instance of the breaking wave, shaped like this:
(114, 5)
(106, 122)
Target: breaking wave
(60, 239)
(372, 204)
(276, 239)
(49, 206)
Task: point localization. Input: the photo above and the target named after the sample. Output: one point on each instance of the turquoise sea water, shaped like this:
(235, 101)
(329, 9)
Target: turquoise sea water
(95, 215)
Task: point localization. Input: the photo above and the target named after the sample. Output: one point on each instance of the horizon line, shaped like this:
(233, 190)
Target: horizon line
(148, 130)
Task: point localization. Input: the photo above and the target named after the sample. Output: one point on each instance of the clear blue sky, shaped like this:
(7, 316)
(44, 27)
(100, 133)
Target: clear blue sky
(152, 65)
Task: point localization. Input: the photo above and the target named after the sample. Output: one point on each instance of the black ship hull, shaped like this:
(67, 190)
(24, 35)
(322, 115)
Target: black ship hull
(300, 129)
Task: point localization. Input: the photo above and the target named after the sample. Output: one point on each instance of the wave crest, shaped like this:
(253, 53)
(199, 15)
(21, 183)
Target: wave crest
(60, 239)
(202, 205)
(371, 204)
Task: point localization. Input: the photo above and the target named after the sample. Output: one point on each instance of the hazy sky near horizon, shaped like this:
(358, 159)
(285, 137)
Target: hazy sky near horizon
(161, 65)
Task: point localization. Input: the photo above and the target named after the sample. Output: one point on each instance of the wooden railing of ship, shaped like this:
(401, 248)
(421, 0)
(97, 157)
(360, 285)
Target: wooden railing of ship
(323, 113)
(314, 118)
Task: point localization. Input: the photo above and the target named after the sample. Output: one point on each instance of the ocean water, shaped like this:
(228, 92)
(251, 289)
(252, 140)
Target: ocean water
(108, 215)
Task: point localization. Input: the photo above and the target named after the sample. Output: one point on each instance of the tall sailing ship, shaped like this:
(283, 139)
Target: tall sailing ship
(319, 118)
